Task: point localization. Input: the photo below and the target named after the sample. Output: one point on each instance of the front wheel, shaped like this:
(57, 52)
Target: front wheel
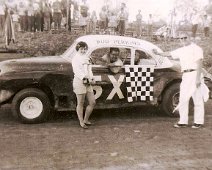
(31, 105)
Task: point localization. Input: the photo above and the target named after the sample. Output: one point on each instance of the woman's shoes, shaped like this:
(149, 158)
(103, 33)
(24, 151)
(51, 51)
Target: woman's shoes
(84, 126)
(88, 123)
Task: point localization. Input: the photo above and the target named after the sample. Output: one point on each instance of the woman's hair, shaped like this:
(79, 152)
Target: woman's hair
(81, 44)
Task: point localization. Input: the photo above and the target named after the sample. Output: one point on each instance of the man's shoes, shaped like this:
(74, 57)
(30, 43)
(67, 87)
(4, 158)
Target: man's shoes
(196, 126)
(178, 125)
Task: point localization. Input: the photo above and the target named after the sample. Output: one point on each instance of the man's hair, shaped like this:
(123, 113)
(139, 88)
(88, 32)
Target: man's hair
(114, 49)
(81, 44)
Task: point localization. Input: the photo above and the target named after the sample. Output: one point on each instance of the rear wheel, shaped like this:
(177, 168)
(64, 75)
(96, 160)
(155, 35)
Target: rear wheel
(31, 106)
(170, 100)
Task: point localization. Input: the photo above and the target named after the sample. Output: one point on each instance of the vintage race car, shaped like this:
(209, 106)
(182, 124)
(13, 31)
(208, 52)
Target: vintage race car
(37, 86)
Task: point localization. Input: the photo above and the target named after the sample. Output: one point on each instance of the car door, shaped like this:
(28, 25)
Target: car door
(110, 88)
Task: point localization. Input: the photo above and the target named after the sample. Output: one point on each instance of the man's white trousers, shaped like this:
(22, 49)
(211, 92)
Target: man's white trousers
(188, 89)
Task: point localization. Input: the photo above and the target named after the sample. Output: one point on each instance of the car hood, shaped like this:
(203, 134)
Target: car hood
(48, 63)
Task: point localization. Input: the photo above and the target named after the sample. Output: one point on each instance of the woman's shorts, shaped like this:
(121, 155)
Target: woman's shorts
(80, 88)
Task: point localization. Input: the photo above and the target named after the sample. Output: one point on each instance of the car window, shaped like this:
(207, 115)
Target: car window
(70, 52)
(97, 54)
(143, 58)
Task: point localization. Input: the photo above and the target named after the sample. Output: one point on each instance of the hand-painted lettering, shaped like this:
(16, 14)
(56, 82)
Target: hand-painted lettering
(116, 87)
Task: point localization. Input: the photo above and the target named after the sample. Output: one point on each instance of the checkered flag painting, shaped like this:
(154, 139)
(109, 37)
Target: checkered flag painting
(139, 83)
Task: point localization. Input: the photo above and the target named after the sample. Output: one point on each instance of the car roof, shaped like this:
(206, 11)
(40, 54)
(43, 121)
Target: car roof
(94, 41)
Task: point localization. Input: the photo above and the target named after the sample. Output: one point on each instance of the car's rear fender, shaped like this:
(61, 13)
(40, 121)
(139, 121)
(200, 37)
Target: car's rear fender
(168, 85)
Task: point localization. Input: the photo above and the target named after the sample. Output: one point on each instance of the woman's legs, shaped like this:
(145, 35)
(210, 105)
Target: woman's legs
(80, 104)
(91, 103)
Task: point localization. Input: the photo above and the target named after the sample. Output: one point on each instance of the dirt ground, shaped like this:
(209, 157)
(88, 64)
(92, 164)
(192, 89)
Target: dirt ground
(120, 140)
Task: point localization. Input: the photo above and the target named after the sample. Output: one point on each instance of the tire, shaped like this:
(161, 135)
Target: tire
(31, 105)
(170, 100)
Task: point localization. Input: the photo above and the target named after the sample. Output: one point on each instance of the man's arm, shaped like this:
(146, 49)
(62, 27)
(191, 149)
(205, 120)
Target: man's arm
(102, 61)
(164, 54)
(117, 63)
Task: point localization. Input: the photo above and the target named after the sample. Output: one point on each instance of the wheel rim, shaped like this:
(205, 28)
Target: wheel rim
(175, 99)
(31, 107)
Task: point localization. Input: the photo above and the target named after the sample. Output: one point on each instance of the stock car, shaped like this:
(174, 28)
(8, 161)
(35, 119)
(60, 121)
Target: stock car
(37, 86)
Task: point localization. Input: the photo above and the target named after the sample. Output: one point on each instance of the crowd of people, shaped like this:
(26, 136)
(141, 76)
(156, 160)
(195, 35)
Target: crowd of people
(45, 15)
(33, 16)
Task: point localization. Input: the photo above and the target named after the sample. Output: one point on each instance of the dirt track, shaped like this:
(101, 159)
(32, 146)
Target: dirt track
(119, 140)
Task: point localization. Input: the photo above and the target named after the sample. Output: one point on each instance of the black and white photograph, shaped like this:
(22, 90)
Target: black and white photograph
(105, 84)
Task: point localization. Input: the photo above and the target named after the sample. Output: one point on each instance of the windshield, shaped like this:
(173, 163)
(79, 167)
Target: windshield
(70, 52)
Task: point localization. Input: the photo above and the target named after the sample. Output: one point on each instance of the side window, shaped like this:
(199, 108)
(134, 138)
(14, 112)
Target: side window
(97, 54)
(107, 53)
(142, 58)
(126, 55)
(113, 58)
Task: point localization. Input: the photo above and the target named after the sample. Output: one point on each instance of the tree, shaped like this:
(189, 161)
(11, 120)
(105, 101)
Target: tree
(185, 8)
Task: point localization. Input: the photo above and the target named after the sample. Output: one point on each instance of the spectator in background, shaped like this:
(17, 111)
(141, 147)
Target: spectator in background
(47, 17)
(38, 17)
(83, 23)
(64, 8)
(206, 25)
(57, 14)
(41, 6)
(15, 19)
(149, 26)
(122, 17)
(22, 15)
(103, 19)
(195, 21)
(93, 21)
(89, 24)
(8, 28)
(83, 15)
(139, 24)
(2, 16)
(31, 17)
(75, 12)
(112, 23)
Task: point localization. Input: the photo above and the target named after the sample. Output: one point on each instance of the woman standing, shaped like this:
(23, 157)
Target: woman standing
(83, 79)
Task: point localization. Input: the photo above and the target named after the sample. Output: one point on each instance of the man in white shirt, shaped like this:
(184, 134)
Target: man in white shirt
(190, 56)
